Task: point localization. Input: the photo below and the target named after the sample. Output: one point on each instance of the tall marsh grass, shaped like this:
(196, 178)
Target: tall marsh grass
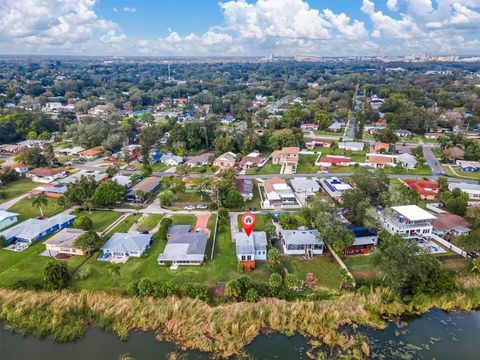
(224, 329)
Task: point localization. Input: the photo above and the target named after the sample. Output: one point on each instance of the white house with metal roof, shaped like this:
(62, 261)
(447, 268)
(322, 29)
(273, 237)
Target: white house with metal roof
(251, 248)
(183, 247)
(410, 221)
(302, 242)
(472, 190)
(7, 218)
(121, 246)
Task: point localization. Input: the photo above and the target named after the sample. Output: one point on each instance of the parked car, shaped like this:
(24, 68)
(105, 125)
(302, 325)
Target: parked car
(275, 218)
(189, 207)
(202, 206)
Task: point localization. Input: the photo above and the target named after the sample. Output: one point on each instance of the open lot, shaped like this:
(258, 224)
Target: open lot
(268, 168)
(101, 218)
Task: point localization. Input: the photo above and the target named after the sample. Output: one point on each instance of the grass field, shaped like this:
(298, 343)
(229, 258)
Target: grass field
(423, 170)
(18, 188)
(255, 202)
(101, 218)
(268, 168)
(149, 222)
(159, 167)
(361, 267)
(26, 210)
(329, 133)
(259, 225)
(306, 164)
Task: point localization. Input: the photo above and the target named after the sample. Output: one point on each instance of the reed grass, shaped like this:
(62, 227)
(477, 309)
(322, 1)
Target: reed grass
(225, 329)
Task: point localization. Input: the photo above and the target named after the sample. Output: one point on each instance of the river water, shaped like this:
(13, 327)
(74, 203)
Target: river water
(436, 335)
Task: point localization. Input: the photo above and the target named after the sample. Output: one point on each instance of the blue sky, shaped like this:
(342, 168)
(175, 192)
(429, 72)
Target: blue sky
(240, 27)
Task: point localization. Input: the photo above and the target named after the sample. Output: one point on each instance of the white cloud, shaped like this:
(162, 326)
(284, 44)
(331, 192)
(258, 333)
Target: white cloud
(253, 27)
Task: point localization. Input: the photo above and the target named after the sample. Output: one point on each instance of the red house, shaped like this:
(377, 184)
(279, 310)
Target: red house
(426, 189)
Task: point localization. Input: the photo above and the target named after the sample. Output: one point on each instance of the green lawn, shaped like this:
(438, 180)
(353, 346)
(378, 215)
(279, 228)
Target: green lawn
(459, 173)
(421, 170)
(124, 225)
(204, 169)
(259, 225)
(101, 218)
(306, 164)
(18, 188)
(325, 268)
(329, 133)
(268, 168)
(159, 167)
(255, 202)
(26, 210)
(27, 265)
(361, 267)
(149, 222)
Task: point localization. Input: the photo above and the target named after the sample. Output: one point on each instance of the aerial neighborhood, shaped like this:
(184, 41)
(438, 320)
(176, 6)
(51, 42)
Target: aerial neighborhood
(354, 180)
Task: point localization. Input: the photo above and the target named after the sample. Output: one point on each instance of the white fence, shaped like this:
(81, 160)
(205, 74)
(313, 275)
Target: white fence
(449, 246)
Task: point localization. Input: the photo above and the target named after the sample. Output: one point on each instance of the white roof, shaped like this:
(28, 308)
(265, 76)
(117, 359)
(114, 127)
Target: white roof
(464, 187)
(6, 214)
(122, 180)
(413, 212)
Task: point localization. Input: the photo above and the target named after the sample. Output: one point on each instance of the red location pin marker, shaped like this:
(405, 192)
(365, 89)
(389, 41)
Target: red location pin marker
(248, 222)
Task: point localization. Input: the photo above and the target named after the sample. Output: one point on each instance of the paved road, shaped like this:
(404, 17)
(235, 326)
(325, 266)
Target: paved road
(432, 161)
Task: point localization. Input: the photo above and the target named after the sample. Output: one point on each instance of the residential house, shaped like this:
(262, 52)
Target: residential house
(98, 110)
(121, 246)
(473, 190)
(155, 156)
(251, 248)
(22, 169)
(302, 242)
(63, 242)
(92, 153)
(46, 175)
(304, 187)
(95, 174)
(123, 180)
(278, 193)
(309, 127)
(184, 247)
(76, 150)
(334, 187)
(288, 157)
(426, 189)
(245, 187)
(225, 161)
(407, 161)
(380, 161)
(199, 160)
(228, 120)
(147, 185)
(351, 145)
(335, 127)
(7, 218)
(54, 190)
(434, 135)
(365, 240)
(447, 224)
(403, 133)
(380, 147)
(250, 161)
(333, 161)
(469, 166)
(171, 160)
(311, 145)
(180, 101)
(32, 230)
(410, 221)
(30, 143)
(376, 102)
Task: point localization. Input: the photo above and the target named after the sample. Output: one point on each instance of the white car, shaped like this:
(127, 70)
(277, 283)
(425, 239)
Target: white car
(202, 206)
(189, 207)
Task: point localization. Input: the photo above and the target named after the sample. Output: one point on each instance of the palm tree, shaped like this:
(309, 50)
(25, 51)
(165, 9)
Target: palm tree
(39, 201)
(88, 205)
(113, 270)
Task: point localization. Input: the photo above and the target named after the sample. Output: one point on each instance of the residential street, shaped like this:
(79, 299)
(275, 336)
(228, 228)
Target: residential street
(432, 161)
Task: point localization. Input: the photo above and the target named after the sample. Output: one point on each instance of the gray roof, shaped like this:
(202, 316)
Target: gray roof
(6, 214)
(65, 238)
(171, 157)
(32, 228)
(184, 246)
(126, 242)
(407, 158)
(464, 186)
(299, 184)
(301, 237)
(97, 175)
(200, 159)
(178, 229)
(247, 245)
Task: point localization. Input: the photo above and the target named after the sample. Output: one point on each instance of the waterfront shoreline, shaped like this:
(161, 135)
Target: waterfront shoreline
(223, 330)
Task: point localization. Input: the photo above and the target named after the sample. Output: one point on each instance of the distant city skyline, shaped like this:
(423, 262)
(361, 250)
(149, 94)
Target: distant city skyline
(240, 27)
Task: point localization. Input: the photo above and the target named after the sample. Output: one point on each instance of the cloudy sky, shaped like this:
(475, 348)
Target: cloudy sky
(239, 27)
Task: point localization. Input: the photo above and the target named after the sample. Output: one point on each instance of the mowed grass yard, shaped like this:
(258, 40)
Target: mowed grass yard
(18, 188)
(268, 168)
(101, 218)
(26, 210)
